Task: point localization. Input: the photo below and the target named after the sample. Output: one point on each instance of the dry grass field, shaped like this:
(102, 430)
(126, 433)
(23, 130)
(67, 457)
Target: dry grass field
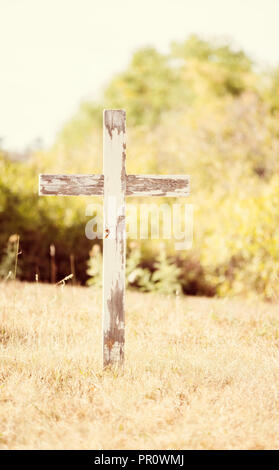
(199, 374)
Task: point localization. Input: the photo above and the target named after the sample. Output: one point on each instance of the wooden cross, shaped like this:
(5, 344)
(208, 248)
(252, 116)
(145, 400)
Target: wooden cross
(114, 185)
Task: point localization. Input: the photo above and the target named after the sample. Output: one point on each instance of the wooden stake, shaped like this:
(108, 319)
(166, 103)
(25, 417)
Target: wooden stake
(52, 264)
(72, 264)
(114, 252)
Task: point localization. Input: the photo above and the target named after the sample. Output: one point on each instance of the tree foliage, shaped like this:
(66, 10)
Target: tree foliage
(203, 109)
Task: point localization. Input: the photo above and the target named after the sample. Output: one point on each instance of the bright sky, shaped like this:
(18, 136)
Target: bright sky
(55, 53)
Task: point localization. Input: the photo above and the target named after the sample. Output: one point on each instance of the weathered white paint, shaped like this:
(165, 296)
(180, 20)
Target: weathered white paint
(71, 185)
(93, 185)
(114, 243)
(155, 185)
(114, 185)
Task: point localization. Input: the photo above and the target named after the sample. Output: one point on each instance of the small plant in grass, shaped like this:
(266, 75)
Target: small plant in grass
(165, 278)
(161, 276)
(136, 275)
(95, 266)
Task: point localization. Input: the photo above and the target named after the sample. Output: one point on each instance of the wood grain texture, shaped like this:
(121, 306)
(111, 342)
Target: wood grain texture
(71, 185)
(114, 239)
(93, 185)
(153, 185)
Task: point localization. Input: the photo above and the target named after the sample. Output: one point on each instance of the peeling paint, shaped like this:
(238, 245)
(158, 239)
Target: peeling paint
(114, 119)
(71, 185)
(133, 185)
(154, 185)
(114, 336)
(114, 245)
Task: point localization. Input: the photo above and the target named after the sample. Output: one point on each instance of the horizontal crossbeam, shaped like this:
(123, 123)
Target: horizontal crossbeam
(71, 185)
(93, 185)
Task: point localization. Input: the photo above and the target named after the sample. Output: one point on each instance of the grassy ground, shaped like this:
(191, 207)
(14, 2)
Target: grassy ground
(199, 374)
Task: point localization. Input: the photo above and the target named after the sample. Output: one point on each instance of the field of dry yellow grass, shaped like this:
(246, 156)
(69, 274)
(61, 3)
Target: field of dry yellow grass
(199, 373)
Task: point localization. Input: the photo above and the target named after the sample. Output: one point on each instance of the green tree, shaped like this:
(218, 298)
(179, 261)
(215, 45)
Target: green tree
(146, 89)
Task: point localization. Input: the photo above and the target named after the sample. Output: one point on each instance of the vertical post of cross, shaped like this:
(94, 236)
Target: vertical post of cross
(114, 236)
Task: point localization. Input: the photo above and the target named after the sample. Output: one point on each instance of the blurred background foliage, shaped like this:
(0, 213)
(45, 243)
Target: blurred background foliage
(205, 109)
